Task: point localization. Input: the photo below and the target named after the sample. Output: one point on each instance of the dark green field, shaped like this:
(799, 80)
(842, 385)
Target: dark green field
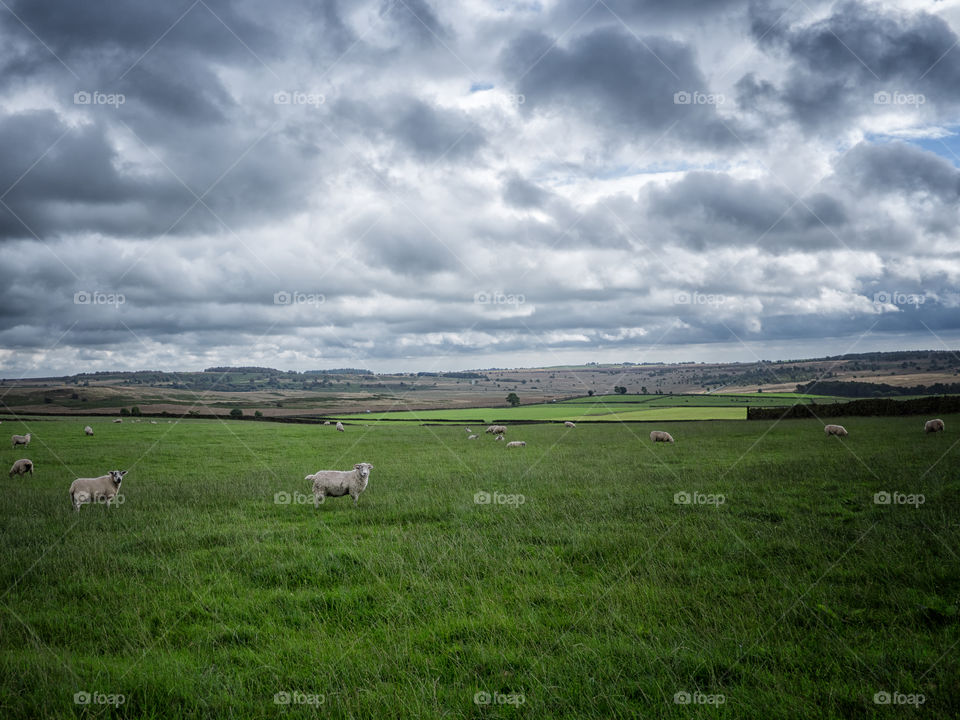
(213, 590)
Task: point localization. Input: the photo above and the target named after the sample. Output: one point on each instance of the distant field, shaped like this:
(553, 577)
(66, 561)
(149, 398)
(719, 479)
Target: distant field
(608, 408)
(585, 588)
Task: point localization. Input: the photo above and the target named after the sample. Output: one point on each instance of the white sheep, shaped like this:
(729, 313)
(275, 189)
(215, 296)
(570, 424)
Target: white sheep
(337, 483)
(99, 489)
(516, 443)
(496, 429)
(568, 424)
(473, 437)
(20, 439)
(153, 422)
(468, 430)
(340, 426)
(661, 436)
(499, 437)
(326, 422)
(932, 426)
(118, 420)
(838, 430)
(22, 467)
(88, 430)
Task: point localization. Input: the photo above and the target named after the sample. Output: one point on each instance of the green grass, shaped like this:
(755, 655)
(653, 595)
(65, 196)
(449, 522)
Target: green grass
(607, 408)
(597, 597)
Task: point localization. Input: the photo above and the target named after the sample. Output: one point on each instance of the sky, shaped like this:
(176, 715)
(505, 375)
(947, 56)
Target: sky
(410, 185)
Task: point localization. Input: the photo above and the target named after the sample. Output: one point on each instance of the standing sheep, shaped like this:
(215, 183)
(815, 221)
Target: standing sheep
(496, 429)
(516, 443)
(99, 489)
(661, 436)
(569, 424)
(339, 426)
(838, 430)
(20, 439)
(337, 483)
(933, 426)
(88, 430)
(22, 467)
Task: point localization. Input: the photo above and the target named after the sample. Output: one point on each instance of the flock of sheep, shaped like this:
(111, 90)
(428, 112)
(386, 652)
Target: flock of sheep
(325, 483)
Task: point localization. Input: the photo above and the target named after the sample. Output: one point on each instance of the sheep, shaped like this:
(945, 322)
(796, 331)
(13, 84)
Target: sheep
(118, 420)
(932, 426)
(20, 439)
(153, 422)
(340, 426)
(661, 436)
(337, 483)
(569, 424)
(516, 443)
(473, 437)
(499, 437)
(496, 429)
(838, 430)
(326, 422)
(468, 430)
(22, 467)
(99, 489)
(88, 430)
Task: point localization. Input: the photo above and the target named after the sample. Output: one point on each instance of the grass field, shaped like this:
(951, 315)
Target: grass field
(607, 408)
(584, 589)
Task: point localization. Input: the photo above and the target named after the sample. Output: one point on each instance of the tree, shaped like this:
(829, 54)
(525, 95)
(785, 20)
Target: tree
(257, 413)
(643, 390)
(590, 393)
(135, 411)
(236, 413)
(620, 390)
(513, 399)
(124, 411)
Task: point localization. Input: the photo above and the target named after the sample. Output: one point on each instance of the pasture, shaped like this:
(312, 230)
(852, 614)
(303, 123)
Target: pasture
(745, 572)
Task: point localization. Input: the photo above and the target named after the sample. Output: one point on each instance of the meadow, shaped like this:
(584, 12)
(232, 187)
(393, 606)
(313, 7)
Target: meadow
(747, 571)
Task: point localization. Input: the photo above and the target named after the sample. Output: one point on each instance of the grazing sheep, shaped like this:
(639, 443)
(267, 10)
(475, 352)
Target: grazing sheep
(516, 443)
(496, 429)
(473, 437)
(326, 422)
(20, 439)
(118, 420)
(661, 436)
(88, 430)
(99, 489)
(337, 483)
(932, 426)
(838, 430)
(569, 424)
(468, 430)
(22, 467)
(339, 426)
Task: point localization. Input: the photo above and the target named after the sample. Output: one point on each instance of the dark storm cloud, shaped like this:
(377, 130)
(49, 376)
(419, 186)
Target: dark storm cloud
(901, 168)
(838, 63)
(624, 84)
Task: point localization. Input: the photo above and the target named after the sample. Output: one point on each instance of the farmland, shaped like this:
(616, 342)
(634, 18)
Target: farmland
(748, 569)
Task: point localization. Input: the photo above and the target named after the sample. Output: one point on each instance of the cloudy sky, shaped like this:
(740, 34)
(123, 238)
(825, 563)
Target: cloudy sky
(417, 185)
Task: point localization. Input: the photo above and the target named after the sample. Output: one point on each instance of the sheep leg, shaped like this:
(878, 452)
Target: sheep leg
(317, 500)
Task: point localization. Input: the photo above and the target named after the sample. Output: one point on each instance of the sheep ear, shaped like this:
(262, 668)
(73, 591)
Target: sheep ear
(357, 466)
